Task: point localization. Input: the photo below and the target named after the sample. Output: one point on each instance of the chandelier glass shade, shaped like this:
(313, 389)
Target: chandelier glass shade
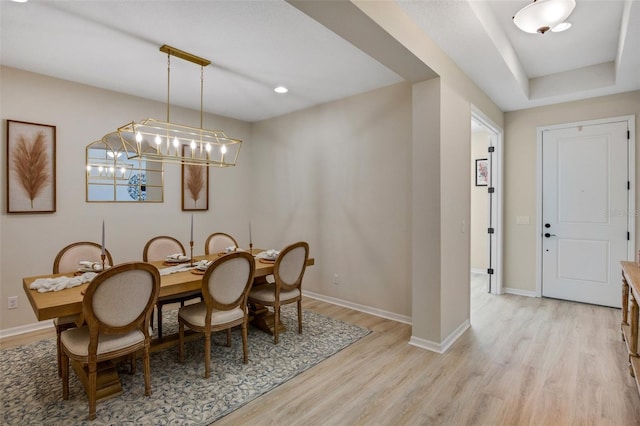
(543, 15)
(166, 142)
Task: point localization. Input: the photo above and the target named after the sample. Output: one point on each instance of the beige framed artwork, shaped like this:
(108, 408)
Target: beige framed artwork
(31, 167)
(195, 185)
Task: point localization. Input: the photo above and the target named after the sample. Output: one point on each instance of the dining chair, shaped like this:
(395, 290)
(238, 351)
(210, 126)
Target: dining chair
(117, 308)
(156, 249)
(66, 261)
(217, 242)
(288, 271)
(225, 286)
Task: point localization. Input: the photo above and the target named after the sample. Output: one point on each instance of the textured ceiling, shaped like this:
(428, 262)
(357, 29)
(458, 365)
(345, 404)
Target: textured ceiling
(257, 45)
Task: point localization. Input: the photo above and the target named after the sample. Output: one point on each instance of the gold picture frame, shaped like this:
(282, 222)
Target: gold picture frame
(31, 167)
(195, 185)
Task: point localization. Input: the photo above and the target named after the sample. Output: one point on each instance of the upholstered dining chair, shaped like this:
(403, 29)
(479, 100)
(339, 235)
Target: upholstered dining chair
(117, 308)
(66, 261)
(217, 242)
(288, 271)
(156, 249)
(225, 286)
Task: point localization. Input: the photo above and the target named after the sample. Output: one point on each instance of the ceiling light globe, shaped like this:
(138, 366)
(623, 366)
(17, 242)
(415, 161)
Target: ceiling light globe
(563, 26)
(542, 15)
(281, 89)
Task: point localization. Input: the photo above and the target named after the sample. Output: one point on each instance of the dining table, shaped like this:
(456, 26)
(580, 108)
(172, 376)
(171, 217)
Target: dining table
(68, 301)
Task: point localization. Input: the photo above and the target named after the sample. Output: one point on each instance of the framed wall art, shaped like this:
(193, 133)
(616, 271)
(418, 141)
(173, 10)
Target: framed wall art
(31, 167)
(195, 185)
(482, 172)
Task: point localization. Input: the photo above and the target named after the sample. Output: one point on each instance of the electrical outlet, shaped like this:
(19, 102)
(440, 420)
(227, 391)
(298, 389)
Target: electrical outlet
(336, 279)
(12, 302)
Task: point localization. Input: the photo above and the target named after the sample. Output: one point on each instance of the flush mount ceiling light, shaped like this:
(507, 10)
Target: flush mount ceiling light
(167, 142)
(281, 89)
(544, 15)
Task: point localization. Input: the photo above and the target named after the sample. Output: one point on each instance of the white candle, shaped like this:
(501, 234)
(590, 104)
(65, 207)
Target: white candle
(191, 227)
(103, 237)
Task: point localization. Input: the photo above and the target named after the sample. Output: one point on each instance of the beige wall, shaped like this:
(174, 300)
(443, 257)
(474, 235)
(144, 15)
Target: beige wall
(82, 114)
(337, 175)
(479, 206)
(520, 175)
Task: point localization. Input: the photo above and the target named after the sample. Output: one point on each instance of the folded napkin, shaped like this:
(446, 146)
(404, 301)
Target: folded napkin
(270, 254)
(203, 264)
(177, 256)
(230, 249)
(96, 266)
(59, 283)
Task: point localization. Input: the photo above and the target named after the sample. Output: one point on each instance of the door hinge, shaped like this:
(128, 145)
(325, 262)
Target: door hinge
(491, 230)
(490, 271)
(628, 135)
(492, 149)
(628, 236)
(491, 190)
(628, 185)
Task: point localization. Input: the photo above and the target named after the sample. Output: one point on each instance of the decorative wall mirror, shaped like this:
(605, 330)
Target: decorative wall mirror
(113, 177)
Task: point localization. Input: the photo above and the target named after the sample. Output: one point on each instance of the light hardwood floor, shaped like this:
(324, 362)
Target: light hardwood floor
(524, 361)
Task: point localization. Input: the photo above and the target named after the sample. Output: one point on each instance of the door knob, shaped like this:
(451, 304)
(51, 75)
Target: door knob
(547, 225)
(547, 235)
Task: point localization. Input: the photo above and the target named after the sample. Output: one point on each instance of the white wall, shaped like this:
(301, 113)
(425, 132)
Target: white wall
(520, 175)
(83, 114)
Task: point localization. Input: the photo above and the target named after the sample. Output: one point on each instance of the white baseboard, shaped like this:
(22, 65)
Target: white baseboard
(446, 343)
(22, 329)
(358, 307)
(518, 292)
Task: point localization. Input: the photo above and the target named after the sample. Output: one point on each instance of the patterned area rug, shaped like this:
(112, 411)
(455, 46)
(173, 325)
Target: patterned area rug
(32, 390)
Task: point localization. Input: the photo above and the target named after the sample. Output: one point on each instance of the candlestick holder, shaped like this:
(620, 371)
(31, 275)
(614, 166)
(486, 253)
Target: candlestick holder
(191, 246)
(250, 248)
(102, 258)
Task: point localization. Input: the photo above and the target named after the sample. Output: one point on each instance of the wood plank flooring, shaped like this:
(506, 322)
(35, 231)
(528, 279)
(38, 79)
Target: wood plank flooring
(525, 361)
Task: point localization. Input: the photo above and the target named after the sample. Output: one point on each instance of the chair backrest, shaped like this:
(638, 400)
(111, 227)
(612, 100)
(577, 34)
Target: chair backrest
(121, 299)
(227, 281)
(290, 265)
(217, 242)
(158, 248)
(67, 259)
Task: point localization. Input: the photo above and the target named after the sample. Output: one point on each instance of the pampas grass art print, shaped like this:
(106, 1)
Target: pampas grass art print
(31, 170)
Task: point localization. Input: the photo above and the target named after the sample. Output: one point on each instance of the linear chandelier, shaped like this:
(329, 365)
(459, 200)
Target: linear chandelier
(167, 142)
(544, 15)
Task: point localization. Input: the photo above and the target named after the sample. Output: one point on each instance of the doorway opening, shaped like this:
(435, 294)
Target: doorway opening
(486, 205)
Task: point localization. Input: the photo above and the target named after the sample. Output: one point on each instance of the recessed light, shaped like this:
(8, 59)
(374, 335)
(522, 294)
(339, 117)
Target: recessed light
(561, 27)
(19, 1)
(281, 89)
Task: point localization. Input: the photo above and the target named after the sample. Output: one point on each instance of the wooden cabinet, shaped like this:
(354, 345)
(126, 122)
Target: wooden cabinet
(630, 297)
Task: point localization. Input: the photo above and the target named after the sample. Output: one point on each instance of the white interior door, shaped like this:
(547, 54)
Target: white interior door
(584, 206)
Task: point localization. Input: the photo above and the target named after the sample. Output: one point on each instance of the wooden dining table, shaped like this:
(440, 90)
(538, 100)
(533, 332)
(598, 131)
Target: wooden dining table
(55, 304)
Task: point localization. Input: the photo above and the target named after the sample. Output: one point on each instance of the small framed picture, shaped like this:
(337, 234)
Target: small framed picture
(31, 167)
(482, 172)
(195, 184)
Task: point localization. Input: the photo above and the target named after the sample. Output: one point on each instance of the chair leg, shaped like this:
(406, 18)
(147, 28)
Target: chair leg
(132, 360)
(65, 375)
(207, 354)
(159, 322)
(245, 349)
(181, 341)
(276, 323)
(93, 379)
(299, 316)
(147, 370)
(228, 337)
(59, 349)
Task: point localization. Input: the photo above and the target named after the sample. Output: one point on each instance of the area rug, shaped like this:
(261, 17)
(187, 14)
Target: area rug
(32, 391)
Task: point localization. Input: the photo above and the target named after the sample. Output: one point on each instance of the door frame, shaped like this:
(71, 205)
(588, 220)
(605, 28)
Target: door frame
(631, 199)
(496, 140)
